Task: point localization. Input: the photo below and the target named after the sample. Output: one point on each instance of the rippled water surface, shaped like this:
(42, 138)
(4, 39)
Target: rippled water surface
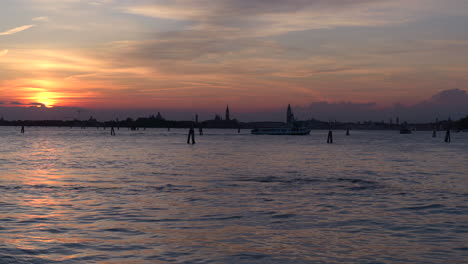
(82, 196)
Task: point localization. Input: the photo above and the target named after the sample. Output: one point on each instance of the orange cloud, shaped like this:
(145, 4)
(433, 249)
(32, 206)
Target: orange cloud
(16, 30)
(48, 92)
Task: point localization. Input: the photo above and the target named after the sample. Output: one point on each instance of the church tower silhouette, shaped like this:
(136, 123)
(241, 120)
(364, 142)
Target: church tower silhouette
(228, 117)
(289, 115)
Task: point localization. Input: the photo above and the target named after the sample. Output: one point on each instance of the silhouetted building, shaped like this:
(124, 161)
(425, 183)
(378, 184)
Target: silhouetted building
(228, 118)
(218, 121)
(159, 117)
(289, 115)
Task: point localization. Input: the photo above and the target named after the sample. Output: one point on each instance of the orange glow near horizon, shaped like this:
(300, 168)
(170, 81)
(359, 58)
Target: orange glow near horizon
(74, 78)
(52, 91)
(48, 99)
(39, 91)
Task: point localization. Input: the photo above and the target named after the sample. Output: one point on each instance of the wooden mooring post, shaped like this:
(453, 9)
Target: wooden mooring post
(447, 136)
(191, 136)
(330, 137)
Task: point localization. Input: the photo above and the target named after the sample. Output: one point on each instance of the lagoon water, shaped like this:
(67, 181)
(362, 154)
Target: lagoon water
(82, 196)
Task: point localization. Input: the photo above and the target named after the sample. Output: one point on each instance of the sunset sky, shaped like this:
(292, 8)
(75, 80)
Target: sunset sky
(255, 55)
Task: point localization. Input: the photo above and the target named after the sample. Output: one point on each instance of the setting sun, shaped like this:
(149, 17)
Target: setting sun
(48, 99)
(38, 92)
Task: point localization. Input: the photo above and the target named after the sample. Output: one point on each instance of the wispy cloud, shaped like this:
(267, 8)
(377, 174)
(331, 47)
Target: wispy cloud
(166, 12)
(41, 19)
(16, 103)
(16, 30)
(266, 18)
(3, 52)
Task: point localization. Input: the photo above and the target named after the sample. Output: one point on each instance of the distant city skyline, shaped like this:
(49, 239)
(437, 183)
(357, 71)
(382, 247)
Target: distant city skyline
(334, 59)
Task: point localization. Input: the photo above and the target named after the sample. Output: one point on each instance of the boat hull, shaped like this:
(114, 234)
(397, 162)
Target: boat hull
(405, 131)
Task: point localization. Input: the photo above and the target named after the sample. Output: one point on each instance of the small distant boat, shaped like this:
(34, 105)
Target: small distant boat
(405, 131)
(281, 131)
